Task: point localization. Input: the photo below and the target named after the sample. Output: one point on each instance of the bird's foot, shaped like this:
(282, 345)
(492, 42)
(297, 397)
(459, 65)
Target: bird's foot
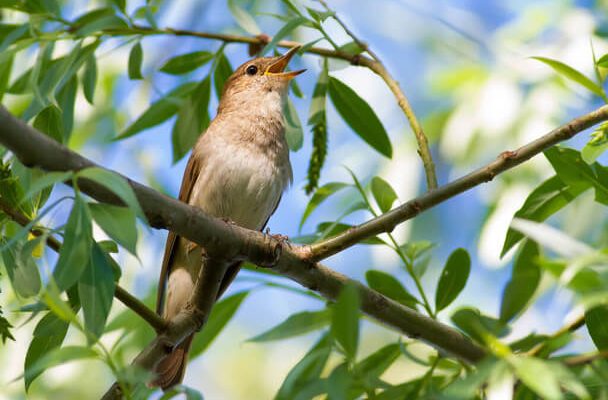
(277, 236)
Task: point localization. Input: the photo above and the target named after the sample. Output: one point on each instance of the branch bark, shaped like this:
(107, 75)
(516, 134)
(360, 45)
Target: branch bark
(228, 241)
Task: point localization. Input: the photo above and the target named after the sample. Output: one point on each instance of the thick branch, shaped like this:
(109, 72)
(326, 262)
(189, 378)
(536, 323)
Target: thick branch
(233, 242)
(121, 294)
(373, 63)
(505, 161)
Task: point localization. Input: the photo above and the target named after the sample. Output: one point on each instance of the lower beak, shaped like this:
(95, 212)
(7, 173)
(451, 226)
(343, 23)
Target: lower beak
(277, 68)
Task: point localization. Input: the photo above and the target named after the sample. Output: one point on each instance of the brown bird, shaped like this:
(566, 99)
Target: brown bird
(238, 171)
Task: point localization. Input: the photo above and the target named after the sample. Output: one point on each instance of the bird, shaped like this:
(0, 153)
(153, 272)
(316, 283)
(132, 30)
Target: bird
(238, 170)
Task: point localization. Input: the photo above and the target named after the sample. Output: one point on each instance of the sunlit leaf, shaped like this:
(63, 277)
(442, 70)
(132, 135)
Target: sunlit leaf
(58, 356)
(76, 249)
(453, 278)
(222, 72)
(186, 62)
(243, 18)
(321, 194)
(160, 111)
(359, 116)
(535, 374)
(525, 278)
(306, 371)
(50, 121)
(117, 222)
(293, 127)
(89, 78)
(295, 325)
(192, 119)
(115, 183)
(389, 286)
(48, 335)
(345, 320)
(283, 32)
(572, 74)
(383, 193)
(96, 291)
(595, 319)
(136, 56)
(98, 20)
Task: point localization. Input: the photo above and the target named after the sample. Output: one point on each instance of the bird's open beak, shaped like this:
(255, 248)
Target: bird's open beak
(278, 67)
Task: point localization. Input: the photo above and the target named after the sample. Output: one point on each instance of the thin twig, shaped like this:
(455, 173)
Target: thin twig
(505, 161)
(569, 328)
(158, 323)
(379, 68)
(583, 359)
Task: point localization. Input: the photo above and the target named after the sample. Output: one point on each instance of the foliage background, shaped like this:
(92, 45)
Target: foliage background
(466, 68)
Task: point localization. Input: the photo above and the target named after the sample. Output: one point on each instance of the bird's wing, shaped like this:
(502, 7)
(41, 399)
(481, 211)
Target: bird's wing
(191, 173)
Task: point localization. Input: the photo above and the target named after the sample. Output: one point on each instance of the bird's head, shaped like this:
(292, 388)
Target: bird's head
(259, 81)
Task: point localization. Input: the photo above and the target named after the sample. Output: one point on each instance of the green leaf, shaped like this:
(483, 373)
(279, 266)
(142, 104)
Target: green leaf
(383, 193)
(5, 329)
(96, 291)
(339, 382)
(307, 370)
(136, 56)
(58, 356)
(376, 363)
(321, 194)
(283, 32)
(595, 319)
(477, 325)
(159, 111)
(118, 223)
(223, 70)
(572, 74)
(572, 170)
(115, 183)
(536, 375)
(186, 62)
(89, 78)
(221, 313)
(97, 20)
(50, 122)
(243, 18)
(192, 119)
(359, 116)
(389, 286)
(5, 73)
(66, 99)
(295, 325)
(22, 269)
(345, 320)
(453, 278)
(76, 248)
(525, 278)
(189, 393)
(45, 181)
(48, 335)
(544, 201)
(293, 127)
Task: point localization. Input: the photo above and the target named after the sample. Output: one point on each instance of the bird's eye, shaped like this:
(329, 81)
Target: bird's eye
(252, 70)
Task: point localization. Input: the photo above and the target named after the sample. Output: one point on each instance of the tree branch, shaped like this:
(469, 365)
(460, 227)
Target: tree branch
(233, 242)
(570, 328)
(153, 319)
(374, 64)
(505, 161)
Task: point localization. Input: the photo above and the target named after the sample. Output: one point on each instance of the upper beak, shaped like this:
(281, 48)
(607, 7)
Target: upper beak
(277, 68)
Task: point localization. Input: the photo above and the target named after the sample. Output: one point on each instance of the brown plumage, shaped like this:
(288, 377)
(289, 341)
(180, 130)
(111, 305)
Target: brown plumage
(238, 170)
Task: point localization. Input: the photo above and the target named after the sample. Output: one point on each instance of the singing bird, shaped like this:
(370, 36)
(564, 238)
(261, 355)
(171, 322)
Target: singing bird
(237, 171)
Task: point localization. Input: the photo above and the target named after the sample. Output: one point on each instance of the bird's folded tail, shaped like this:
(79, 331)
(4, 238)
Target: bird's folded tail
(170, 370)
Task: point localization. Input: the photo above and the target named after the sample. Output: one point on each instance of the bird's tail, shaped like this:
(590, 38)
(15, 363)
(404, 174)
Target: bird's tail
(170, 370)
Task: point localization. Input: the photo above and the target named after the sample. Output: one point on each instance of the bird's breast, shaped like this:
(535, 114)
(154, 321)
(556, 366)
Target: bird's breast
(242, 183)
